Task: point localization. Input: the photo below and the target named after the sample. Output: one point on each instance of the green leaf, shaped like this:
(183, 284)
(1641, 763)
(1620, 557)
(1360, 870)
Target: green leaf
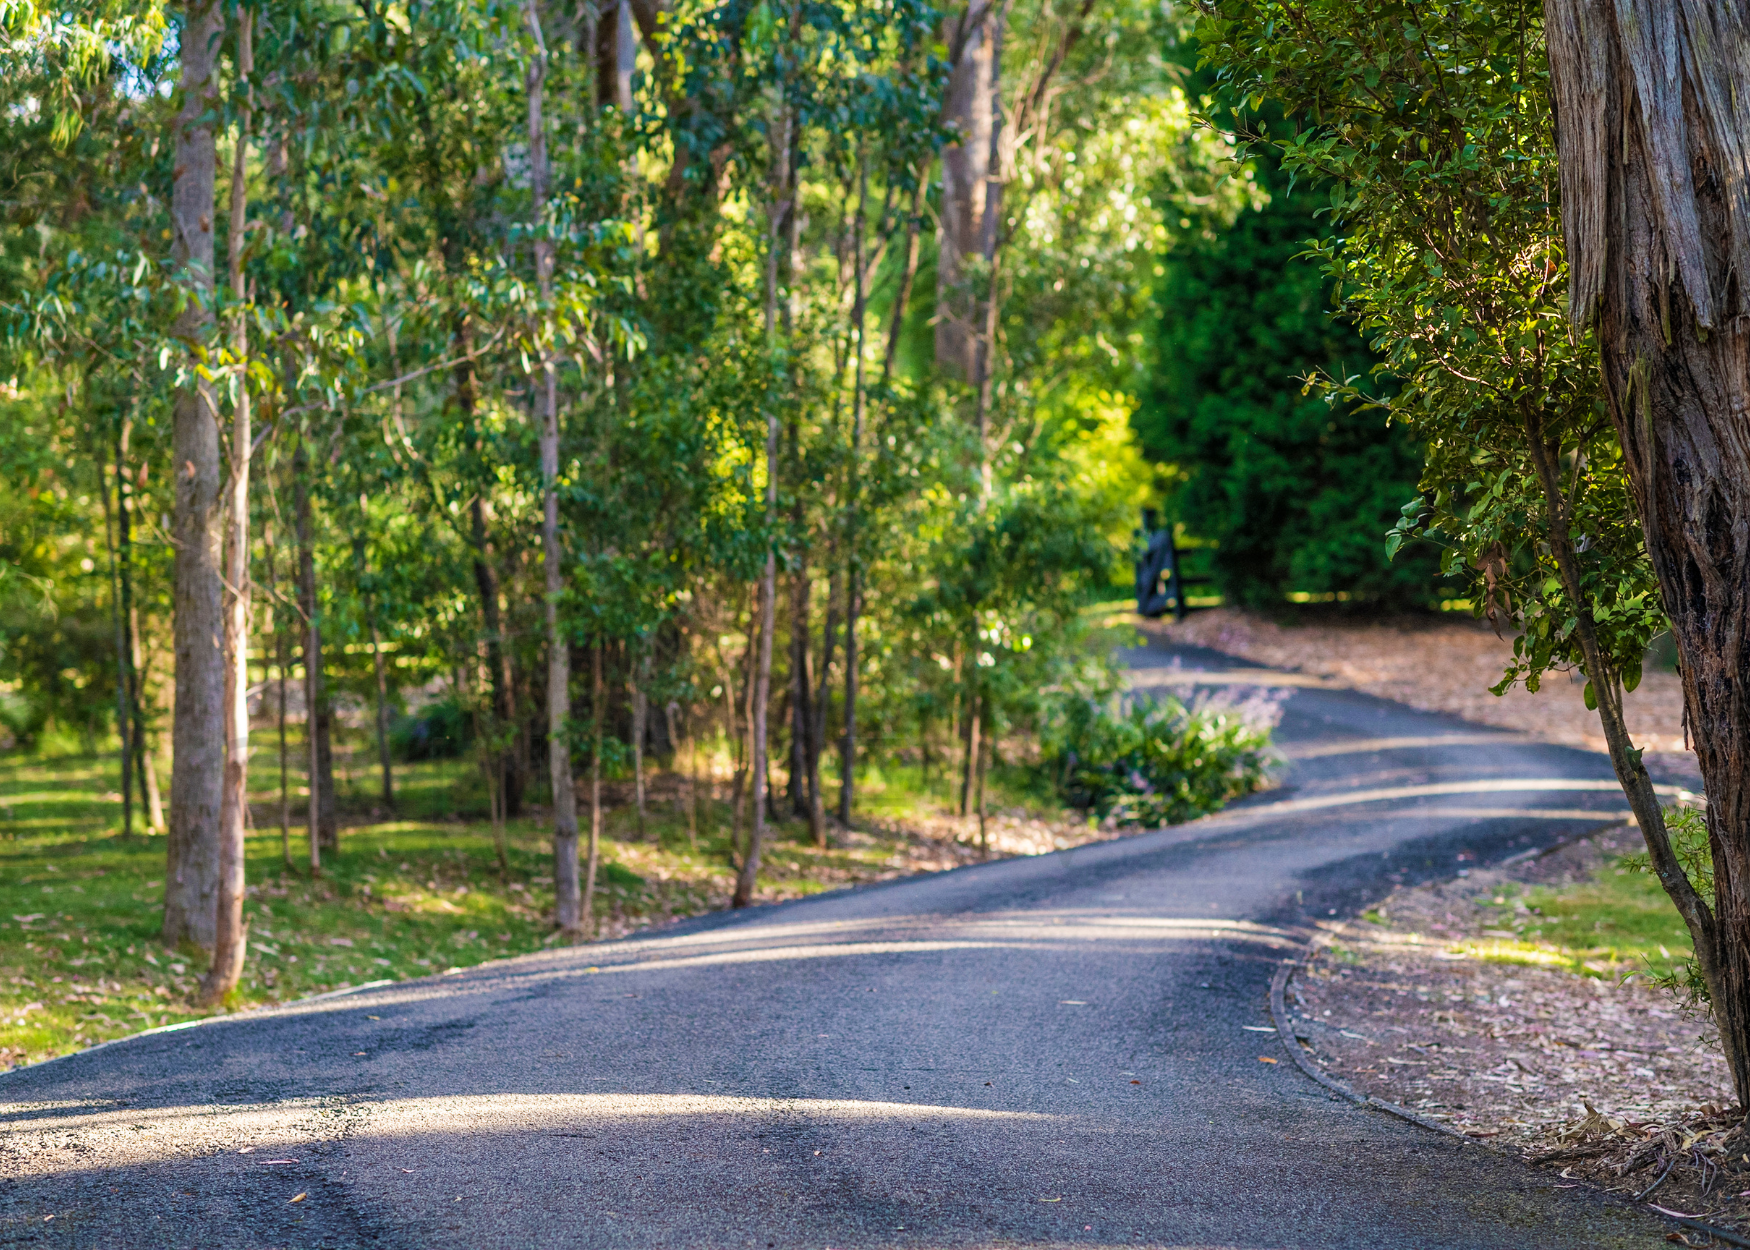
(1591, 697)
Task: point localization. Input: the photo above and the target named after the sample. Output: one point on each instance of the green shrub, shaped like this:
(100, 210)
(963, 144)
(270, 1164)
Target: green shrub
(1157, 763)
(1687, 829)
(441, 730)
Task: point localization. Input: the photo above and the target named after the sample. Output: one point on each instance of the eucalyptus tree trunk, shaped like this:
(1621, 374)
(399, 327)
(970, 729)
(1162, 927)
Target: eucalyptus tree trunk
(282, 662)
(782, 202)
(382, 676)
(127, 718)
(508, 764)
(853, 573)
(1653, 127)
(230, 939)
(640, 729)
(144, 762)
(191, 885)
(969, 184)
(598, 699)
(571, 917)
(324, 820)
(616, 48)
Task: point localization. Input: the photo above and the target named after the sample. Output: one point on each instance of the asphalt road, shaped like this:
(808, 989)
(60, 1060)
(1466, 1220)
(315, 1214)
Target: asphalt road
(1063, 1050)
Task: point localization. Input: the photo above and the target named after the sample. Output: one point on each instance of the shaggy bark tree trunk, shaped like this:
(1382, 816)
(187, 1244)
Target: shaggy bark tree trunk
(1653, 127)
(230, 938)
(191, 886)
(565, 885)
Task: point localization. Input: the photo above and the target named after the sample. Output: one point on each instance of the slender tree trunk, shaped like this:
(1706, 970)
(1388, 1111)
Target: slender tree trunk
(382, 712)
(782, 195)
(486, 583)
(808, 741)
(552, 553)
(829, 632)
(230, 943)
(378, 669)
(136, 733)
(124, 675)
(323, 819)
(143, 752)
(968, 229)
(1652, 106)
(191, 887)
(282, 661)
(974, 715)
(692, 778)
(744, 744)
(640, 727)
(982, 751)
(908, 273)
(598, 697)
(853, 570)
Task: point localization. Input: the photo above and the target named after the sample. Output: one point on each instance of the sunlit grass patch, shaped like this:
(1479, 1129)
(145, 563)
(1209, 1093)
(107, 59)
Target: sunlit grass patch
(1616, 923)
(406, 896)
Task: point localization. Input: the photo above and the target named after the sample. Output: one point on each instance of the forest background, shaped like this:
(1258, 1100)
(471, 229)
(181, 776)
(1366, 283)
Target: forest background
(752, 398)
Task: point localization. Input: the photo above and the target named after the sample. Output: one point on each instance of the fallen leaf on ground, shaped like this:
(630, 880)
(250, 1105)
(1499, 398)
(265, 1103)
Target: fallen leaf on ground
(299, 1198)
(1265, 1059)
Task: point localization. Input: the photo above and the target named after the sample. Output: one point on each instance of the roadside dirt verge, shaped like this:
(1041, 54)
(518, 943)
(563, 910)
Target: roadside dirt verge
(1600, 1078)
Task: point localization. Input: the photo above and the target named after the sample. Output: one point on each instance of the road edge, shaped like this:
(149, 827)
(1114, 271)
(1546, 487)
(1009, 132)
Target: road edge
(1291, 1043)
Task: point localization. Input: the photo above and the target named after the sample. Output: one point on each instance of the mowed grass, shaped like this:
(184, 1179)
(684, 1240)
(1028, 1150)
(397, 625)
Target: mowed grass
(411, 894)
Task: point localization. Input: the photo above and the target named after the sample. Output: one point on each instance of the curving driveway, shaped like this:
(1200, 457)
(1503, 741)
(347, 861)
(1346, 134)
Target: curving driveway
(1072, 1049)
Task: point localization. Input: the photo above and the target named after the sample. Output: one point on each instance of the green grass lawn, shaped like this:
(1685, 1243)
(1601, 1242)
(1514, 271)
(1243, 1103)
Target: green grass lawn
(1616, 923)
(408, 896)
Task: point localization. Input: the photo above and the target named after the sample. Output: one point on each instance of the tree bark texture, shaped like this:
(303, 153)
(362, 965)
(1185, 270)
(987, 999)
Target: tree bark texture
(970, 187)
(616, 56)
(1653, 128)
(230, 939)
(198, 730)
(565, 884)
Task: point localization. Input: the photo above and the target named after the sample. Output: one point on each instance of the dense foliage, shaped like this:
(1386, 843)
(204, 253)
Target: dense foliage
(1431, 130)
(594, 333)
(1292, 492)
(1145, 763)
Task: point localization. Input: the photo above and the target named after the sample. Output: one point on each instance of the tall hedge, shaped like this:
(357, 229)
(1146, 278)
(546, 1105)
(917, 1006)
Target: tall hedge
(1296, 496)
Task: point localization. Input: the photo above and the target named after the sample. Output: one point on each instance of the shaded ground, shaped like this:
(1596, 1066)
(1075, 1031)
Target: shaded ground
(80, 908)
(1456, 1001)
(1444, 663)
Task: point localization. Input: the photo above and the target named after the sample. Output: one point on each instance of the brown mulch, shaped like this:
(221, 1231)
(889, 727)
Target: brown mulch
(1604, 1081)
(1441, 663)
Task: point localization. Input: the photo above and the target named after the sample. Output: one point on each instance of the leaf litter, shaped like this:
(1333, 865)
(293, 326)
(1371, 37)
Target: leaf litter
(1597, 1074)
